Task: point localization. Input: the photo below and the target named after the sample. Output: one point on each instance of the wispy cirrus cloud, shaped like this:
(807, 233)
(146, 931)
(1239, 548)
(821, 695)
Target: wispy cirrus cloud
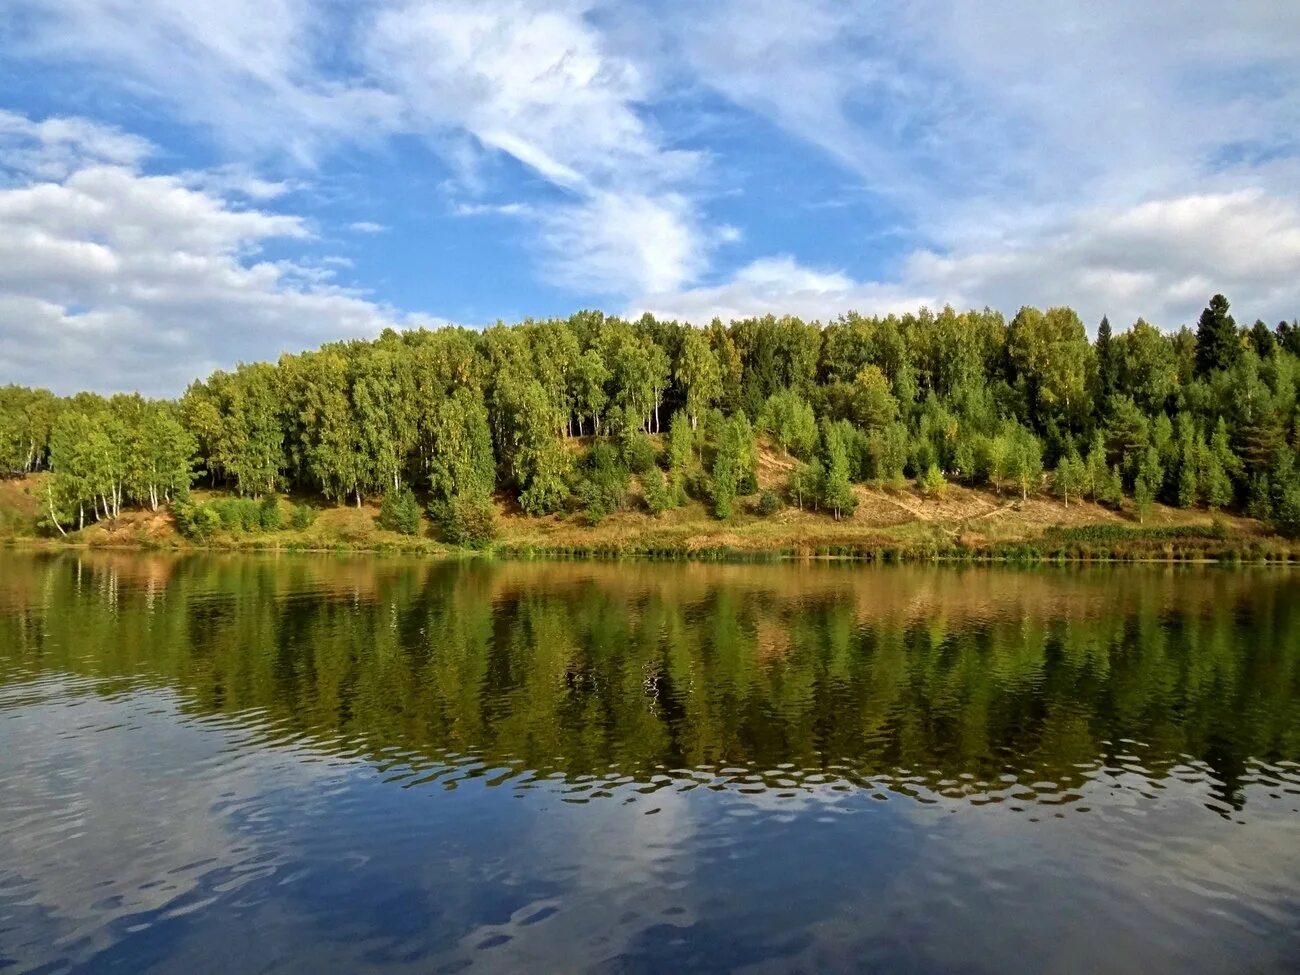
(1120, 158)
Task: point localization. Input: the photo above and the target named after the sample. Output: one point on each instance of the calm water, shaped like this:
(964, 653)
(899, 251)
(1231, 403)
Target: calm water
(311, 764)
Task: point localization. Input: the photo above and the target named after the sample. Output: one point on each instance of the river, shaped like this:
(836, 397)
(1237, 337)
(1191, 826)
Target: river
(312, 763)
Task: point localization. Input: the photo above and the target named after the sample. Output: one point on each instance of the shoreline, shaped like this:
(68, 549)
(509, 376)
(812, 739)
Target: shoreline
(1280, 553)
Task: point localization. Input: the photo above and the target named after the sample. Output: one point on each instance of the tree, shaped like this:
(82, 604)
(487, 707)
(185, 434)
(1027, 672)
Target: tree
(1150, 475)
(1218, 345)
(837, 489)
(1148, 372)
(1025, 460)
(1107, 360)
(681, 449)
(1219, 465)
(805, 483)
(400, 512)
(461, 461)
(1054, 365)
(873, 403)
(1070, 476)
(887, 452)
(790, 422)
(700, 374)
(733, 464)
(1262, 339)
(589, 377)
(931, 482)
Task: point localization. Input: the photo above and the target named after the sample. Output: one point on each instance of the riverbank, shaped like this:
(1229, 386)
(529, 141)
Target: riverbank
(889, 524)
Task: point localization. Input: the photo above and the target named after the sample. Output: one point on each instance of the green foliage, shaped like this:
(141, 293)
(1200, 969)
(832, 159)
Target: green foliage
(805, 484)
(733, 465)
(303, 517)
(196, 521)
(467, 520)
(887, 451)
(1071, 476)
(473, 413)
(660, 496)
(873, 404)
(638, 452)
(932, 483)
(1024, 459)
(400, 512)
(240, 515)
(1218, 345)
(602, 482)
(460, 457)
(769, 503)
(269, 517)
(836, 489)
(1150, 476)
(790, 421)
(1287, 516)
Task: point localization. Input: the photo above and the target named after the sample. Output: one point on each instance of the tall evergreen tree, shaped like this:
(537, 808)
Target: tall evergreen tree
(1218, 346)
(1107, 360)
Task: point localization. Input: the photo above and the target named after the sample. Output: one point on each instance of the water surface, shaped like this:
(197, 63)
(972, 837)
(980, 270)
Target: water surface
(236, 764)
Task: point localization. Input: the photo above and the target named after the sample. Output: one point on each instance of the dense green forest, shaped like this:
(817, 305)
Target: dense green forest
(561, 415)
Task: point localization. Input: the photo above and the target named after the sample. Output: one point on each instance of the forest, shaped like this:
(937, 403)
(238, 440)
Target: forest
(564, 415)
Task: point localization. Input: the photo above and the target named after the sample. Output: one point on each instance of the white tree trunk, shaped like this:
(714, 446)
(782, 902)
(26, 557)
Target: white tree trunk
(49, 494)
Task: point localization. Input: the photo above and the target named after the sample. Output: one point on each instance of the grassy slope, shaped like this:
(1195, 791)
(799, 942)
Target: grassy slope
(895, 521)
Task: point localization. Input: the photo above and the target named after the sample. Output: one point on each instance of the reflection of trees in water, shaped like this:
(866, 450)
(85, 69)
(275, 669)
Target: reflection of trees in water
(956, 681)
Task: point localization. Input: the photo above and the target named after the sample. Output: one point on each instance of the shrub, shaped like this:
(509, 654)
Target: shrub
(638, 452)
(195, 521)
(303, 517)
(602, 488)
(467, 520)
(932, 482)
(237, 514)
(399, 512)
(269, 514)
(659, 495)
(769, 503)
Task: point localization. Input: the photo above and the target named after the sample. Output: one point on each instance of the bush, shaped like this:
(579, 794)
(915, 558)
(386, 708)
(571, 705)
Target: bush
(638, 452)
(269, 514)
(602, 488)
(399, 512)
(932, 482)
(769, 503)
(467, 520)
(237, 514)
(1287, 517)
(195, 521)
(303, 517)
(659, 494)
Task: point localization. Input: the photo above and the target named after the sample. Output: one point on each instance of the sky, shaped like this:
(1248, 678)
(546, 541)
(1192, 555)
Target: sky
(184, 186)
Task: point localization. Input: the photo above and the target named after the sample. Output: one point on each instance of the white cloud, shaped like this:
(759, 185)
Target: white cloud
(980, 119)
(1098, 152)
(52, 148)
(533, 81)
(113, 279)
(1161, 260)
(367, 227)
(537, 83)
(252, 71)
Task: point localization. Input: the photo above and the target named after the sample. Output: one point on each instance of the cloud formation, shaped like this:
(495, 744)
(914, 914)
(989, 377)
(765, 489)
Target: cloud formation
(1161, 260)
(112, 279)
(1121, 158)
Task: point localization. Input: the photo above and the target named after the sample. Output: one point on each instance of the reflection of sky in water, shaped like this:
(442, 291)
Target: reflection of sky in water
(138, 835)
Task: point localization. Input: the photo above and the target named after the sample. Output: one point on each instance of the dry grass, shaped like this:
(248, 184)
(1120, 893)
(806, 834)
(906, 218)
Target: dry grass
(897, 520)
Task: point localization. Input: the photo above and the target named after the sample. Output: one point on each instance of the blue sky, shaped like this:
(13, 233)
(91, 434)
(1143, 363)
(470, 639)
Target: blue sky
(184, 186)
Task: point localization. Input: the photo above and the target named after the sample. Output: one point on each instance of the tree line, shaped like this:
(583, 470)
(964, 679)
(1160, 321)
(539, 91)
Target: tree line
(563, 414)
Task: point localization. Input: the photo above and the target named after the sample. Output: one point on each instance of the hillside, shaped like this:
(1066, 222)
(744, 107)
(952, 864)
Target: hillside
(898, 522)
